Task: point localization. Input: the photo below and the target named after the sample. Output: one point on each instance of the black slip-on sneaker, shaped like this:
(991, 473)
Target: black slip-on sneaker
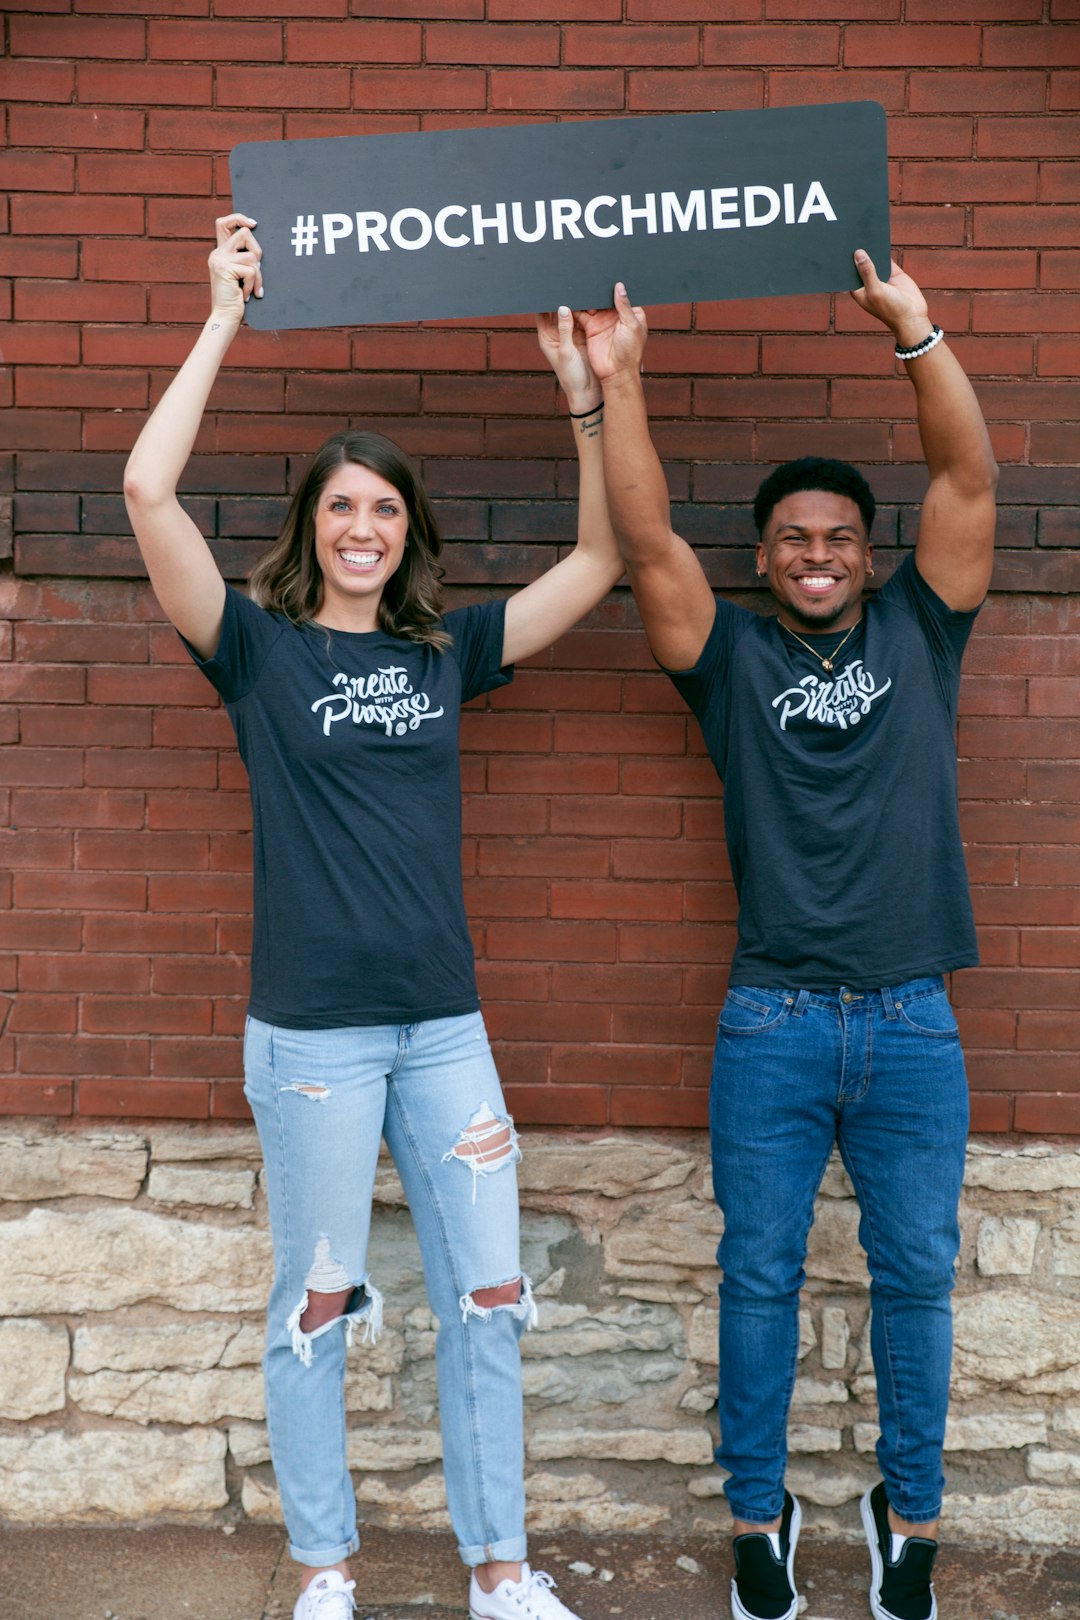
(764, 1584)
(900, 1588)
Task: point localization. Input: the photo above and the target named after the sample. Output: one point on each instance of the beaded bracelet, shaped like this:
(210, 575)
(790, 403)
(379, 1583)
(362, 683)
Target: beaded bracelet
(936, 335)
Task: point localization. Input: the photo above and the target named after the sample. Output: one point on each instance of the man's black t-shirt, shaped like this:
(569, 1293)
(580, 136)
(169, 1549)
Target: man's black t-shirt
(351, 745)
(840, 803)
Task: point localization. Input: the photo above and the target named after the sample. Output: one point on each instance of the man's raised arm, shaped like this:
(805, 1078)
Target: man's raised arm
(955, 548)
(673, 596)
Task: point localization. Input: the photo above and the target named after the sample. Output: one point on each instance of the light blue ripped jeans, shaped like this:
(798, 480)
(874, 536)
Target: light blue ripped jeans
(322, 1100)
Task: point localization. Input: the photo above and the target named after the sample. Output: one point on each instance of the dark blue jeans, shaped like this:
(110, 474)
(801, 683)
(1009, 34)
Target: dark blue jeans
(881, 1074)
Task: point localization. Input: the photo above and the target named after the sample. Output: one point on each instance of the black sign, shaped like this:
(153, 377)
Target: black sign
(376, 228)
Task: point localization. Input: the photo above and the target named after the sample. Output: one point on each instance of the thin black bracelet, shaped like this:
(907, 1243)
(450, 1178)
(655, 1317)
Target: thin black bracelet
(575, 416)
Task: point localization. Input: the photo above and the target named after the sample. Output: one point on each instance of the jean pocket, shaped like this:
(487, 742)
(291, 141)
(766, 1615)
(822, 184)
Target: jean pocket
(750, 1011)
(928, 1015)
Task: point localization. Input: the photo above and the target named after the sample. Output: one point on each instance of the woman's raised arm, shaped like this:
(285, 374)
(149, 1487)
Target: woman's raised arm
(182, 570)
(543, 611)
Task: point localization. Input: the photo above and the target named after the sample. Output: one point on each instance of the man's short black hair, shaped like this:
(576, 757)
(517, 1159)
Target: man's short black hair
(814, 472)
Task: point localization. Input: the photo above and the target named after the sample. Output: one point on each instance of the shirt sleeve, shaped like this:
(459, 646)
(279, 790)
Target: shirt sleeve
(247, 635)
(701, 683)
(477, 633)
(945, 629)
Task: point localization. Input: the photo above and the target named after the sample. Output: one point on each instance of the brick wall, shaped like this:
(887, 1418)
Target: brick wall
(594, 861)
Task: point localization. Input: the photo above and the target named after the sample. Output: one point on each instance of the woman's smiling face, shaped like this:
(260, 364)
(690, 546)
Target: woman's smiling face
(361, 527)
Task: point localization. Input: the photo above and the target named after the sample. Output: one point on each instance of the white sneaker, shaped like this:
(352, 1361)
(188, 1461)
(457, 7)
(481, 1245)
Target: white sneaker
(328, 1597)
(531, 1598)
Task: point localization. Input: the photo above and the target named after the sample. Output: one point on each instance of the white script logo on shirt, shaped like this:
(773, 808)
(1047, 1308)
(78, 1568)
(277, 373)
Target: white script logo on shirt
(384, 698)
(841, 701)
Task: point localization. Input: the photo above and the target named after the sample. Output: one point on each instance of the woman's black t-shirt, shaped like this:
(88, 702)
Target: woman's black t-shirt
(351, 745)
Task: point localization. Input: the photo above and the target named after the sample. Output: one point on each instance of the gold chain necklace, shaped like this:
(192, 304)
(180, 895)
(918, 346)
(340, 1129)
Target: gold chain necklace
(826, 663)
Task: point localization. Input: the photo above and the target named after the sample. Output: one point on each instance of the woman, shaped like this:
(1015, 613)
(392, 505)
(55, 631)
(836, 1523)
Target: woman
(343, 678)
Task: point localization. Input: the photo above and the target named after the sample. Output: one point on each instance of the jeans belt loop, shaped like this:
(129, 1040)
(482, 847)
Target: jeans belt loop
(800, 1003)
(888, 1001)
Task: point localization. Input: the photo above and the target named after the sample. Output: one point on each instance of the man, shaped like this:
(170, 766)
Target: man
(831, 723)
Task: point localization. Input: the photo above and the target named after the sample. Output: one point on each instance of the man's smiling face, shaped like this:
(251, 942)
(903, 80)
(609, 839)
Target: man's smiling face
(815, 553)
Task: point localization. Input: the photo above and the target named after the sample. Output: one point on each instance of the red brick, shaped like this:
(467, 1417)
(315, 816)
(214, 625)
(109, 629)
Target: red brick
(201, 976)
(1023, 312)
(29, 847)
(186, 687)
(557, 1105)
(551, 941)
(615, 1064)
(71, 301)
(987, 267)
(616, 816)
(145, 1015)
(499, 44)
(46, 1015)
(645, 942)
(145, 1099)
(551, 857)
(75, 726)
(514, 981)
(1059, 182)
(986, 1027)
(533, 1021)
(36, 1097)
(199, 810)
(686, 778)
(78, 808)
(125, 932)
(1055, 46)
(654, 902)
(37, 171)
(856, 10)
(227, 1100)
(147, 173)
(1050, 947)
(1052, 1112)
(152, 85)
(1028, 137)
(24, 343)
(989, 1112)
(181, 1058)
(491, 897)
(75, 127)
(1048, 1031)
(143, 261)
(969, 182)
(924, 137)
(1047, 696)
(936, 46)
(45, 1054)
(76, 36)
(36, 81)
(1017, 987)
(517, 10)
(637, 1105)
(1059, 270)
(217, 41)
(200, 891)
(1027, 1071)
(190, 131)
(787, 89)
(704, 89)
(32, 258)
(80, 891)
(142, 852)
(282, 8)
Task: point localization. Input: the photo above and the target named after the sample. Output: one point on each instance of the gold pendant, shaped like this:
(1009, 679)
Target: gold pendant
(826, 664)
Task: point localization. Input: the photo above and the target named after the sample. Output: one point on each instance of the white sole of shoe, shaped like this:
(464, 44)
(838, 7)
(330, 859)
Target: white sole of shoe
(877, 1568)
(737, 1610)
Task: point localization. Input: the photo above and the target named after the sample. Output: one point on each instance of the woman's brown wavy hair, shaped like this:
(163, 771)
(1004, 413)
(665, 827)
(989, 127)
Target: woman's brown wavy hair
(289, 580)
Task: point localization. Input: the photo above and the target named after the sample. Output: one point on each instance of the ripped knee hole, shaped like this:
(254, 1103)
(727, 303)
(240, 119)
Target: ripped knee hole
(503, 1294)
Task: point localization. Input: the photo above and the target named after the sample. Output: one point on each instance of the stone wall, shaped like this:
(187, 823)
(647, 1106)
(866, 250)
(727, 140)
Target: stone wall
(134, 1262)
